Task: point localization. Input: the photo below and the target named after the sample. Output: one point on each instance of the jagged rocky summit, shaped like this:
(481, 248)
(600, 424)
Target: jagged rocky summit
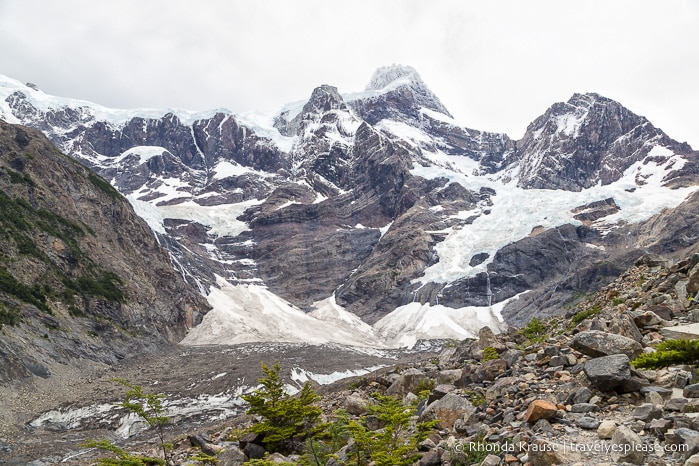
(376, 213)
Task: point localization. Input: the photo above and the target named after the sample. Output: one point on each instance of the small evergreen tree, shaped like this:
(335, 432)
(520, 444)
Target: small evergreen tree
(287, 420)
(394, 444)
(149, 407)
(669, 353)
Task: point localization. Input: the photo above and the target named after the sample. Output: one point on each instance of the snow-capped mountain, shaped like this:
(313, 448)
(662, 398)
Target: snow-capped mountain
(373, 216)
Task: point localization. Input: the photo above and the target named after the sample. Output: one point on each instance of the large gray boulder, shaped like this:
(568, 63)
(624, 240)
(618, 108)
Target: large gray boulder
(627, 446)
(609, 372)
(596, 343)
(448, 409)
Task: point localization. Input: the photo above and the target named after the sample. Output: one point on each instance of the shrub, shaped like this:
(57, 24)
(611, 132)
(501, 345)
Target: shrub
(489, 353)
(535, 331)
(287, 420)
(669, 353)
(589, 312)
(394, 444)
(149, 407)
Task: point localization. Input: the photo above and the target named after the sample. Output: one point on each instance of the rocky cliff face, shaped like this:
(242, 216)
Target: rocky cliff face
(382, 202)
(82, 277)
(588, 140)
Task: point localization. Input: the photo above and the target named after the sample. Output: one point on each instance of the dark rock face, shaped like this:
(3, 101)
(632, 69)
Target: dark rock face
(342, 205)
(585, 141)
(404, 101)
(77, 260)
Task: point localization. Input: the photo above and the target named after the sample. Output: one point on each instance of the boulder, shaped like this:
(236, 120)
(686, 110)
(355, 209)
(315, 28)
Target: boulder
(500, 387)
(449, 376)
(647, 412)
(606, 429)
(354, 404)
(627, 446)
(543, 453)
(231, 456)
(407, 382)
(588, 422)
(540, 409)
(609, 372)
(489, 370)
(448, 409)
(596, 343)
(431, 458)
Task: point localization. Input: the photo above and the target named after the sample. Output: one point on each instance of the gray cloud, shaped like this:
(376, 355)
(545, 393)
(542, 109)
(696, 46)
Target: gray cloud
(495, 65)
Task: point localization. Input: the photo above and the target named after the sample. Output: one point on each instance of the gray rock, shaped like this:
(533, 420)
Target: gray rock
(542, 425)
(647, 412)
(448, 376)
(628, 446)
(690, 438)
(231, 456)
(354, 404)
(588, 422)
(431, 458)
(581, 395)
(583, 408)
(408, 382)
(691, 391)
(676, 404)
(659, 427)
(491, 460)
(500, 387)
(609, 372)
(489, 370)
(439, 392)
(596, 343)
(662, 391)
(254, 451)
(606, 429)
(448, 409)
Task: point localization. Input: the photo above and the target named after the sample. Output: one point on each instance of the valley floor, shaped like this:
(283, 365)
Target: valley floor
(45, 420)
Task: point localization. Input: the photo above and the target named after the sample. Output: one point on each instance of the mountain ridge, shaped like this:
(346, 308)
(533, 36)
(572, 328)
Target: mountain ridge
(380, 200)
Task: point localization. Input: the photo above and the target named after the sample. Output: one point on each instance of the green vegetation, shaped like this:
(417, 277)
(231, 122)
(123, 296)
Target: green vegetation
(589, 312)
(149, 407)
(20, 226)
(424, 388)
(19, 178)
(476, 399)
(669, 353)
(393, 445)
(489, 353)
(32, 295)
(535, 331)
(9, 316)
(101, 184)
(287, 420)
(105, 285)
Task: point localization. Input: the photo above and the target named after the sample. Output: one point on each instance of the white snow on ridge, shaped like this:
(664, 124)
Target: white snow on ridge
(251, 313)
(516, 212)
(261, 124)
(302, 376)
(222, 219)
(407, 324)
(144, 153)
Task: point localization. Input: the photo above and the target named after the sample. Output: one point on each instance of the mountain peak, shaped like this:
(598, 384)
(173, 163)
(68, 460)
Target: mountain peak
(324, 98)
(394, 75)
(396, 92)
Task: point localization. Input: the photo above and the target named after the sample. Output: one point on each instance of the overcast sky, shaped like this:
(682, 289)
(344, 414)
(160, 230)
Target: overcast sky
(496, 65)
